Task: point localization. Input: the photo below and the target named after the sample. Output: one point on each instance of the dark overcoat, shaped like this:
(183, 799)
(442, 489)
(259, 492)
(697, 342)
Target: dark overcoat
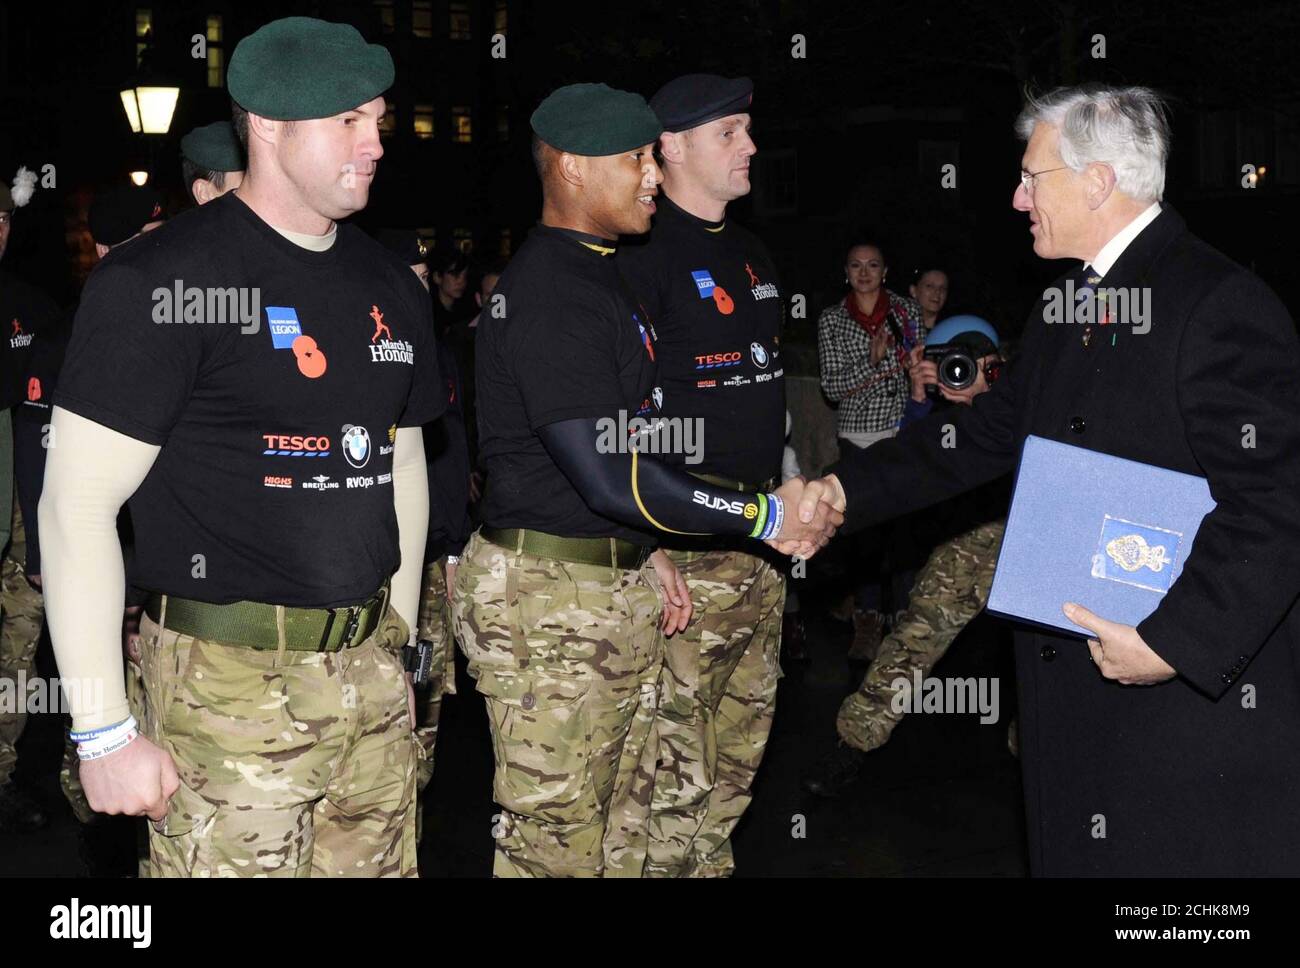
(1200, 774)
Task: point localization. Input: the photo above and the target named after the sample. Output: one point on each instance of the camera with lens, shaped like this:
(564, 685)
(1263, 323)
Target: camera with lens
(958, 367)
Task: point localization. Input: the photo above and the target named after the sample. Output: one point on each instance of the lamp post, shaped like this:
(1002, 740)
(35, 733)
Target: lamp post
(149, 101)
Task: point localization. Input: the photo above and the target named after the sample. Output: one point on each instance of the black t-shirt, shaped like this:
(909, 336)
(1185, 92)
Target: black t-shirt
(570, 344)
(276, 460)
(26, 314)
(711, 291)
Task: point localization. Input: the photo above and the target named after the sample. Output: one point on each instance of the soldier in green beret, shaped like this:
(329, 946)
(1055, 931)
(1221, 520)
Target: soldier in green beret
(561, 602)
(212, 161)
(270, 447)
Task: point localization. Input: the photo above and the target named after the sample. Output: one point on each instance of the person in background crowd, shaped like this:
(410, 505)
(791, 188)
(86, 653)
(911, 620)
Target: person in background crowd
(952, 586)
(449, 272)
(863, 344)
(930, 290)
(212, 161)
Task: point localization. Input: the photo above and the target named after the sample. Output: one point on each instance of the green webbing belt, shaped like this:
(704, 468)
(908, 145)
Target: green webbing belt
(730, 485)
(253, 623)
(614, 552)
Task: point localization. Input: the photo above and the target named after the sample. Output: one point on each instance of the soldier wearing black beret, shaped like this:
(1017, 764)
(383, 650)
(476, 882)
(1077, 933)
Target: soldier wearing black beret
(712, 290)
(253, 377)
(560, 602)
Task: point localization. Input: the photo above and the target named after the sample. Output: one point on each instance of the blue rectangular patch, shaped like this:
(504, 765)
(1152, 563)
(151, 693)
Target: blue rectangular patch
(1136, 554)
(283, 323)
(703, 282)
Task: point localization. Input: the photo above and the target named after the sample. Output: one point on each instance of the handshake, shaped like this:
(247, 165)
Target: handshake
(813, 510)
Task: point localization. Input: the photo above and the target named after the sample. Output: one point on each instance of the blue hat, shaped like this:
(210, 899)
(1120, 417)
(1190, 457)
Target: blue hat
(967, 330)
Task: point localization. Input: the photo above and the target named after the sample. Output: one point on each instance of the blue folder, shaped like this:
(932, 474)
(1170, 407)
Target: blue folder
(1108, 533)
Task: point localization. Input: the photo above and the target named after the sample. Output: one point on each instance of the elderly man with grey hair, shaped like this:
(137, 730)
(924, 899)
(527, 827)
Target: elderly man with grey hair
(1169, 747)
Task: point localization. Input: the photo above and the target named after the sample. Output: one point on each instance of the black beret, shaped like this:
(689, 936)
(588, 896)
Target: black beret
(696, 99)
(120, 212)
(300, 67)
(595, 119)
(406, 243)
(214, 147)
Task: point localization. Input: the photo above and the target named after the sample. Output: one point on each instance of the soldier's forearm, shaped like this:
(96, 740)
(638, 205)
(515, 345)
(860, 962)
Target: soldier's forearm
(411, 501)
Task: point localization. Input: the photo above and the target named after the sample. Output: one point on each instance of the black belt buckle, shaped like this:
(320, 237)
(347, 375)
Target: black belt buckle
(349, 631)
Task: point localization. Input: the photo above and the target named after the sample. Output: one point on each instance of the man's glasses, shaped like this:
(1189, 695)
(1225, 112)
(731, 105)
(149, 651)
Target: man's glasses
(1027, 177)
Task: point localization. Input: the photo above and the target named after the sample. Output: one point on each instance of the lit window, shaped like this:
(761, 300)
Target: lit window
(422, 18)
(463, 239)
(422, 121)
(387, 15)
(459, 21)
(499, 18)
(503, 122)
(389, 125)
(216, 52)
(461, 126)
(428, 235)
(143, 31)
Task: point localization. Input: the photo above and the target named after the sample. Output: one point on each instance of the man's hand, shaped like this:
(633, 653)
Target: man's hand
(921, 372)
(674, 593)
(1119, 651)
(138, 779)
(829, 491)
(810, 517)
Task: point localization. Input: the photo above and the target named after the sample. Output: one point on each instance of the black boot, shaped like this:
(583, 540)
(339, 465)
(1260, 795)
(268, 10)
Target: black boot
(19, 811)
(837, 770)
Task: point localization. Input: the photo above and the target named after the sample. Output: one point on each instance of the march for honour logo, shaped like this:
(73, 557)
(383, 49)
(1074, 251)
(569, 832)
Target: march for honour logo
(388, 350)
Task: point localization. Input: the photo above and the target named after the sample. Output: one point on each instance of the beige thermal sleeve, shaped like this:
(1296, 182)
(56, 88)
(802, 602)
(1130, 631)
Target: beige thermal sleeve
(411, 501)
(90, 471)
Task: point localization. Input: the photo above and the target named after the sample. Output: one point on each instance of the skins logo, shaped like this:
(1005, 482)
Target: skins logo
(748, 510)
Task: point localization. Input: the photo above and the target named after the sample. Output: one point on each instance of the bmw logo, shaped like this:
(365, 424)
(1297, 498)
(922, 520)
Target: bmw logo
(356, 445)
(758, 355)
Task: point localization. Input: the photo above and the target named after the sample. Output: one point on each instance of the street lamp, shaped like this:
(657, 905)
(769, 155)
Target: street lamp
(149, 108)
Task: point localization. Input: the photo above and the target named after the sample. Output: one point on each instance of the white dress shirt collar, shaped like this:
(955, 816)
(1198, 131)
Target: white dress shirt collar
(1112, 250)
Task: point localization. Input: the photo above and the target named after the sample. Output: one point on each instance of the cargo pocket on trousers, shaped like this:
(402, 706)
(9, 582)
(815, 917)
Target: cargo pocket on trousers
(542, 746)
(186, 830)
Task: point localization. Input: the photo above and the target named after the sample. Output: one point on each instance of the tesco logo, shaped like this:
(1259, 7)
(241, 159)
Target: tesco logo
(293, 445)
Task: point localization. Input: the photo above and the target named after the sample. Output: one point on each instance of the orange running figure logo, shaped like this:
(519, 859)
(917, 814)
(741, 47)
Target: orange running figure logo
(380, 326)
(753, 279)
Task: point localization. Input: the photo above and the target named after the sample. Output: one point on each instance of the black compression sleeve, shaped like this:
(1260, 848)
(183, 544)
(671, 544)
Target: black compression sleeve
(619, 483)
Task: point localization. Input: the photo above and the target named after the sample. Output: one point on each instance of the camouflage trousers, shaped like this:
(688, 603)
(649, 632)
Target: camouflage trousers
(24, 614)
(717, 699)
(292, 764)
(950, 589)
(567, 658)
(435, 627)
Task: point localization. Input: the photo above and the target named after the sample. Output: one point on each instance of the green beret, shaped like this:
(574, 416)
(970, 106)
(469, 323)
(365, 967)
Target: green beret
(300, 67)
(595, 119)
(214, 147)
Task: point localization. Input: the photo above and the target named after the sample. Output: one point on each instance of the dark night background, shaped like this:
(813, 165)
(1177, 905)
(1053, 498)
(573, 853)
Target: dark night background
(852, 138)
